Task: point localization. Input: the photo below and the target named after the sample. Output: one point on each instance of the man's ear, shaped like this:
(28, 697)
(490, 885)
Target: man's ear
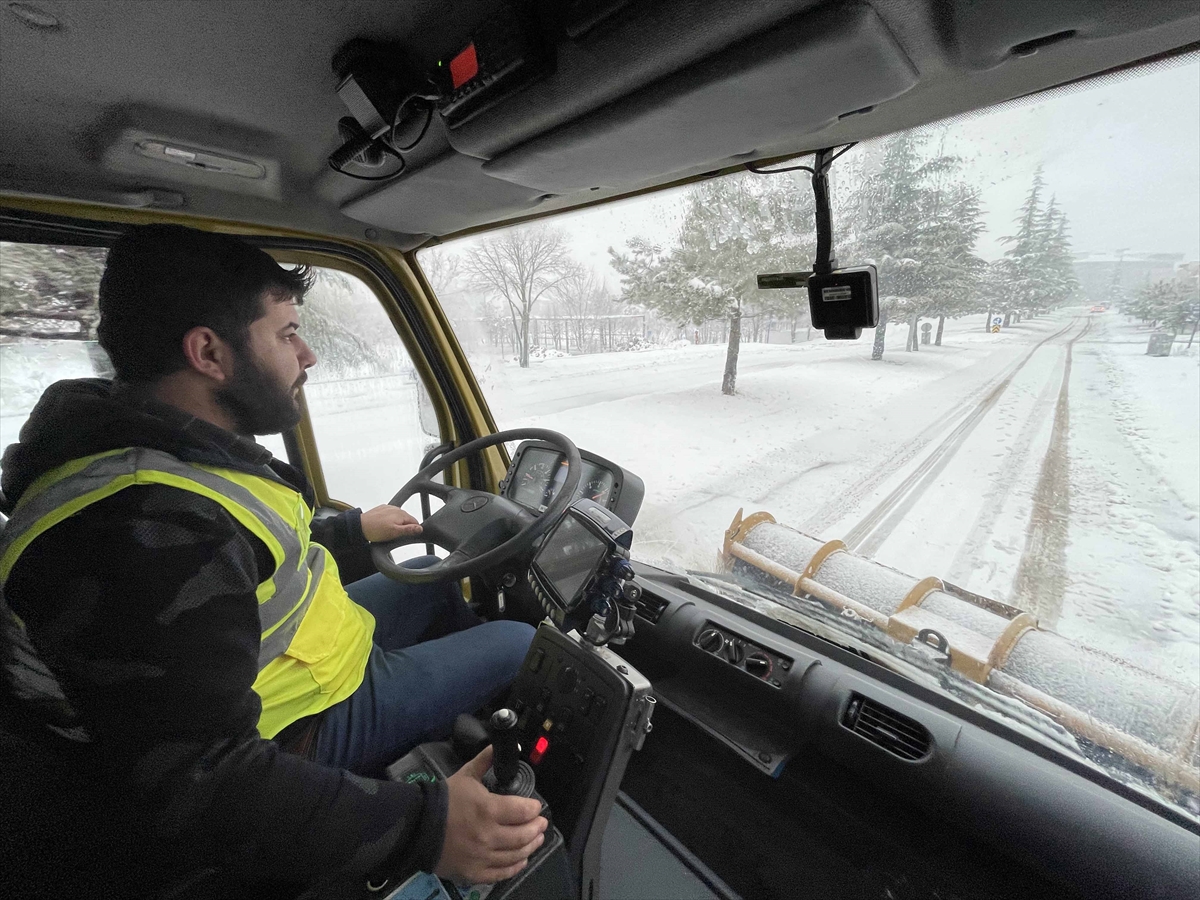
(208, 354)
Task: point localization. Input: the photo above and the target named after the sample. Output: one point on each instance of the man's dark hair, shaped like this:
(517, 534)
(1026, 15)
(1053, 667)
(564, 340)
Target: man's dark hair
(161, 281)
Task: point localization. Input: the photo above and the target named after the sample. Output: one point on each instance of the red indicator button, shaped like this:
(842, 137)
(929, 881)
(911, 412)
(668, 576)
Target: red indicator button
(464, 67)
(539, 750)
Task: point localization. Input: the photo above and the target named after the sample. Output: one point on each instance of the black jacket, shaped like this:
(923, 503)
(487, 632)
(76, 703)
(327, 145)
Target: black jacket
(187, 786)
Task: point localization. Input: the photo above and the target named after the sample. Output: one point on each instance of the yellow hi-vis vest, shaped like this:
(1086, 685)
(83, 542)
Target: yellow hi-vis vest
(314, 640)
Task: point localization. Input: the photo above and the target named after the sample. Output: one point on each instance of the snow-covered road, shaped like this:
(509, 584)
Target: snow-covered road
(944, 462)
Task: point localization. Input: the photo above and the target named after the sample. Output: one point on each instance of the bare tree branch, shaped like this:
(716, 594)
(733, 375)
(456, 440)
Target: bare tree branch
(521, 265)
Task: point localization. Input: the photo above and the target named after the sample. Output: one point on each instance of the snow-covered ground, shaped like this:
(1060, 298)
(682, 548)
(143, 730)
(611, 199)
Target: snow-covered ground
(1133, 555)
(973, 461)
(933, 462)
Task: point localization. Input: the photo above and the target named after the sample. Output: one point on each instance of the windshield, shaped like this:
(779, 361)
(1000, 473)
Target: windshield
(1009, 459)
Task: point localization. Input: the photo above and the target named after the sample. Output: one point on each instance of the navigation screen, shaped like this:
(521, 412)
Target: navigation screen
(568, 557)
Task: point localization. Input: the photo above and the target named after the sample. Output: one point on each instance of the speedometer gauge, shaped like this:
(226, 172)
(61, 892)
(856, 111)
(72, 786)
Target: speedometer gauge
(536, 477)
(598, 489)
(533, 481)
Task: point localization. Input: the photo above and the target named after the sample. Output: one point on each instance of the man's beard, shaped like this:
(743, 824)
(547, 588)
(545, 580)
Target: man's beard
(257, 403)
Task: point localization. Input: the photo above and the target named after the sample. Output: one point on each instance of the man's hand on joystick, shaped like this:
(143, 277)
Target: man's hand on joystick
(489, 837)
(510, 774)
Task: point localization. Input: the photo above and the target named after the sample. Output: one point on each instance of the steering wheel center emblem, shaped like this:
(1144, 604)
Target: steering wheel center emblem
(473, 504)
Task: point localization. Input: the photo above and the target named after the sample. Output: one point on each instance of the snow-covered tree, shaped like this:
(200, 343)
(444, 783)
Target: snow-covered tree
(1117, 295)
(585, 301)
(1060, 283)
(521, 266)
(49, 292)
(341, 322)
(442, 269)
(1168, 305)
(917, 220)
(732, 229)
(1042, 274)
(952, 271)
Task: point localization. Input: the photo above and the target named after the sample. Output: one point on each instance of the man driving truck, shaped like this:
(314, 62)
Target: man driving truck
(233, 704)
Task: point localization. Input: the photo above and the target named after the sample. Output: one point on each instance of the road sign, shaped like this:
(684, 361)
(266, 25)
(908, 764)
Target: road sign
(995, 329)
(997, 320)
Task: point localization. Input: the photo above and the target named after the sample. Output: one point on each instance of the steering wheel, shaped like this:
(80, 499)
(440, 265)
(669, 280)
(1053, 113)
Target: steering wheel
(478, 528)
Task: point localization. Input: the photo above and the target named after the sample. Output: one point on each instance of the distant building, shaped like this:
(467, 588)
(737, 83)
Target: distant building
(1188, 274)
(1095, 272)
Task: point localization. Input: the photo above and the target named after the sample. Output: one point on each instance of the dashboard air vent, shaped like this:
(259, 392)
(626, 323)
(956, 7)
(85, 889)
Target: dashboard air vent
(897, 734)
(650, 607)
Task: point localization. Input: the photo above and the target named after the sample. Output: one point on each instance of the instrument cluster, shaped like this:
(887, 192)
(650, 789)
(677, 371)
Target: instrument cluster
(538, 472)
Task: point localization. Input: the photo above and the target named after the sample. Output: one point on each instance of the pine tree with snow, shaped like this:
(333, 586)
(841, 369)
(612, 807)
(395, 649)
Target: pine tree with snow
(952, 270)
(1026, 250)
(917, 220)
(1042, 268)
(1058, 282)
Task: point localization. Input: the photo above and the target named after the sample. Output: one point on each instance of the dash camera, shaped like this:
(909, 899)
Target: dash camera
(844, 302)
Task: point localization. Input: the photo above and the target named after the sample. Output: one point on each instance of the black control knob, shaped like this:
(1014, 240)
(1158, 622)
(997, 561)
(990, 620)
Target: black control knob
(758, 664)
(567, 679)
(505, 758)
(735, 652)
(711, 640)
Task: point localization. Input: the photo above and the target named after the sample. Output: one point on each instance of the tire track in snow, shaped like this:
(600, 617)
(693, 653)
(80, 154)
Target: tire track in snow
(1016, 461)
(873, 529)
(654, 525)
(1040, 584)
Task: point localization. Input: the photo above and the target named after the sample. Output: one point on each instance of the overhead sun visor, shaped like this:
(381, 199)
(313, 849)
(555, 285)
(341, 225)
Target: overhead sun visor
(443, 196)
(979, 39)
(791, 80)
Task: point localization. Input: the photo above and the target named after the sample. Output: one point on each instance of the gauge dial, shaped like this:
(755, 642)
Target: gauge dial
(598, 489)
(533, 482)
(536, 476)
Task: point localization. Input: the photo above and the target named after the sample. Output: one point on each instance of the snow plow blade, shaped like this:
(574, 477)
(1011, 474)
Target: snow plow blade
(1152, 722)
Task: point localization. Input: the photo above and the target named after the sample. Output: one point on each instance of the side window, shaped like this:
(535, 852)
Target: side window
(367, 405)
(369, 411)
(48, 318)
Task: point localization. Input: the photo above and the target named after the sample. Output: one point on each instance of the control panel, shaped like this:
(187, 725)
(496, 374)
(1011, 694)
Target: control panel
(581, 712)
(574, 716)
(742, 653)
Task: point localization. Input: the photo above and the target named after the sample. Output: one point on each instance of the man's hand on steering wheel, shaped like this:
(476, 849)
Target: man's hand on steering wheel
(478, 529)
(387, 522)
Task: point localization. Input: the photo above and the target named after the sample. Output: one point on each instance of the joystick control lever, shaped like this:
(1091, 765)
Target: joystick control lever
(505, 760)
(509, 773)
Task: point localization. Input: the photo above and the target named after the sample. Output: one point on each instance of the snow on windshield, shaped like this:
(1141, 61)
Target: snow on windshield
(1024, 423)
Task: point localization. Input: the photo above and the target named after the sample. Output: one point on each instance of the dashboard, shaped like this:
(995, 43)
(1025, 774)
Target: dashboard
(539, 470)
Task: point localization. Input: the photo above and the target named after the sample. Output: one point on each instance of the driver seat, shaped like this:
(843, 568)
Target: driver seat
(57, 824)
(36, 769)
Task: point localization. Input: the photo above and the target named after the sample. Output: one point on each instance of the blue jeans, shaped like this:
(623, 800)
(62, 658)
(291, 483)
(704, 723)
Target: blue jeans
(433, 659)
